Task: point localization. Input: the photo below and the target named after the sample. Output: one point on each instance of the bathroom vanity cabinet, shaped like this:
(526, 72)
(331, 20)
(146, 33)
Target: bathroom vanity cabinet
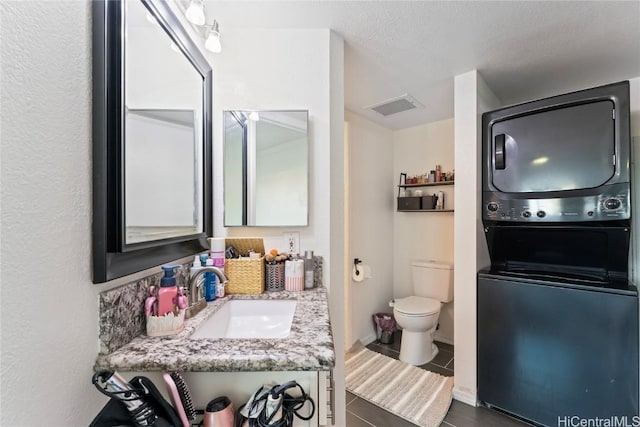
(237, 367)
(239, 386)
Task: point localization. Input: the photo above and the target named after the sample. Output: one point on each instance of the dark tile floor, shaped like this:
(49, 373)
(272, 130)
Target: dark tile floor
(361, 413)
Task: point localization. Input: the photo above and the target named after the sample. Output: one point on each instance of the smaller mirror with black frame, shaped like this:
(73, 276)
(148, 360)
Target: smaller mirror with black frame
(266, 168)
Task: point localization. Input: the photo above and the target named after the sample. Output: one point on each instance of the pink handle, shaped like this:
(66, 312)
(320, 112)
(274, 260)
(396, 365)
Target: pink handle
(148, 305)
(180, 299)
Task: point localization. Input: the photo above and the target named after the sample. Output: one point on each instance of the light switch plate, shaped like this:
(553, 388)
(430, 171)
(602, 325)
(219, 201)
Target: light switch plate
(292, 242)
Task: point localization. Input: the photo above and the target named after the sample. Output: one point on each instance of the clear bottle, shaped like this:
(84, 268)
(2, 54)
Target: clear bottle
(308, 269)
(196, 266)
(440, 202)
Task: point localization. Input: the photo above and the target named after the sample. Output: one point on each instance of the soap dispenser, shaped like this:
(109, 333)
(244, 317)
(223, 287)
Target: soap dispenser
(168, 290)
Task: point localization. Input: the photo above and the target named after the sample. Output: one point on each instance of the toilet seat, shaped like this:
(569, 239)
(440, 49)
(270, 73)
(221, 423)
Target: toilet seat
(417, 306)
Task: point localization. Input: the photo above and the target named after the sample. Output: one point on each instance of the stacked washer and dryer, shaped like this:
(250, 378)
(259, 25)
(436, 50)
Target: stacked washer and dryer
(557, 312)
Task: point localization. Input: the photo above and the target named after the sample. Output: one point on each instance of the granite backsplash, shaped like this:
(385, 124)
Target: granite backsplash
(122, 309)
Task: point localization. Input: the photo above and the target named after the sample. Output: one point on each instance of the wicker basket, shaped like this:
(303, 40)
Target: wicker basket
(275, 276)
(246, 276)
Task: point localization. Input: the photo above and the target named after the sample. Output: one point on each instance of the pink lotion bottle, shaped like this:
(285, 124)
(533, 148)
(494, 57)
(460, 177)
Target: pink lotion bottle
(168, 291)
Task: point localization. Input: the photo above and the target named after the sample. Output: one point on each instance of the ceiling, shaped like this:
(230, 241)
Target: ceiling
(523, 49)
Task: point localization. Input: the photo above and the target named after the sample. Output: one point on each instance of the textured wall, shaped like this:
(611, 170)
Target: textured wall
(49, 305)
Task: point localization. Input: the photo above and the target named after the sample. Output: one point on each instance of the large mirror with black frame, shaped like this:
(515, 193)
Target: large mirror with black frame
(152, 177)
(266, 168)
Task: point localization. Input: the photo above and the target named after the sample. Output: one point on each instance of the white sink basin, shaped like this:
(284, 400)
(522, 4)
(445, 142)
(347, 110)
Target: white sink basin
(249, 319)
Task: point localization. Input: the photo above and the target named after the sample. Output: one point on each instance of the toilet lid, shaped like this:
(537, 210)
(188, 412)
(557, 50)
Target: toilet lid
(417, 306)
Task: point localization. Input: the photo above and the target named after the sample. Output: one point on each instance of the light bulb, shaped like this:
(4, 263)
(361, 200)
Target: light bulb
(212, 43)
(195, 12)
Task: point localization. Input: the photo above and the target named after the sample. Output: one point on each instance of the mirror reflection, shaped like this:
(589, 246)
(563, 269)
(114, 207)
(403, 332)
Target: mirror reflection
(163, 137)
(266, 157)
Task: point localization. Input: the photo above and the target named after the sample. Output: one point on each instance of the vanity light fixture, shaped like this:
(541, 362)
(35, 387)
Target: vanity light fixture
(212, 42)
(195, 12)
(196, 16)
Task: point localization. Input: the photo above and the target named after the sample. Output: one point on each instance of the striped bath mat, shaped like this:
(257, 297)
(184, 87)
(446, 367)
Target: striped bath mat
(418, 396)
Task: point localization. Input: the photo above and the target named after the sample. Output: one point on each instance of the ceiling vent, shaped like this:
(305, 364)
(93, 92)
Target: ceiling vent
(395, 105)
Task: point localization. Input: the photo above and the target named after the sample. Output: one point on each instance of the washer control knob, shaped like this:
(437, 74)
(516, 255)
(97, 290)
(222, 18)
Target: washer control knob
(526, 214)
(492, 206)
(612, 204)
(541, 214)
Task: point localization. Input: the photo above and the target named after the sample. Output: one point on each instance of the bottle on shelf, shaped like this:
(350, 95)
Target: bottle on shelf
(308, 269)
(440, 201)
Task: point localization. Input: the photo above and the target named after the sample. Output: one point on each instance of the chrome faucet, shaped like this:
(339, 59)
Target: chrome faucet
(196, 301)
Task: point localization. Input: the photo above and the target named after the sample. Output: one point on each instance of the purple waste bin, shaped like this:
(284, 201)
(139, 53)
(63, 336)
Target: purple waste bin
(384, 325)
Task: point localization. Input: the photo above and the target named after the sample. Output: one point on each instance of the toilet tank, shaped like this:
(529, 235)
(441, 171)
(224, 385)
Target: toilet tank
(432, 279)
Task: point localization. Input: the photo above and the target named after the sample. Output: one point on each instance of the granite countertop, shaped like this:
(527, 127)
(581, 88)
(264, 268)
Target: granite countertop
(309, 346)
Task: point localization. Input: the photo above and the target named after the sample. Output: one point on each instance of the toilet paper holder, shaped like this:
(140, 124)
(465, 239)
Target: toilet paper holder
(357, 261)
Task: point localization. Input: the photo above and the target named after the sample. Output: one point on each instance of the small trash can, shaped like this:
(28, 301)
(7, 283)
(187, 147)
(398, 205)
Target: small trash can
(385, 326)
(386, 337)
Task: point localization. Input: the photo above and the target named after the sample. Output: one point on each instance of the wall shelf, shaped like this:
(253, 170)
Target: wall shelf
(410, 202)
(427, 184)
(425, 210)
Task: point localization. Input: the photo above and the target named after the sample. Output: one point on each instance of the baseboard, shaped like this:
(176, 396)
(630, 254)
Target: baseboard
(465, 396)
(368, 339)
(440, 338)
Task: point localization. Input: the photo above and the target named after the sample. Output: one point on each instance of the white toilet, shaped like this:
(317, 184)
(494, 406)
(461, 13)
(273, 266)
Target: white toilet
(418, 315)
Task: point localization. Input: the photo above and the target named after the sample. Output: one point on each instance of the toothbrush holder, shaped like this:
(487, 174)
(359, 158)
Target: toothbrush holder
(274, 277)
(169, 324)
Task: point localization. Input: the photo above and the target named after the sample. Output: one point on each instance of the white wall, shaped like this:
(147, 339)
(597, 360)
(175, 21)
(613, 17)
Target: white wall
(423, 235)
(292, 70)
(50, 307)
(634, 89)
(338, 273)
(277, 70)
(634, 256)
(370, 222)
(471, 98)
